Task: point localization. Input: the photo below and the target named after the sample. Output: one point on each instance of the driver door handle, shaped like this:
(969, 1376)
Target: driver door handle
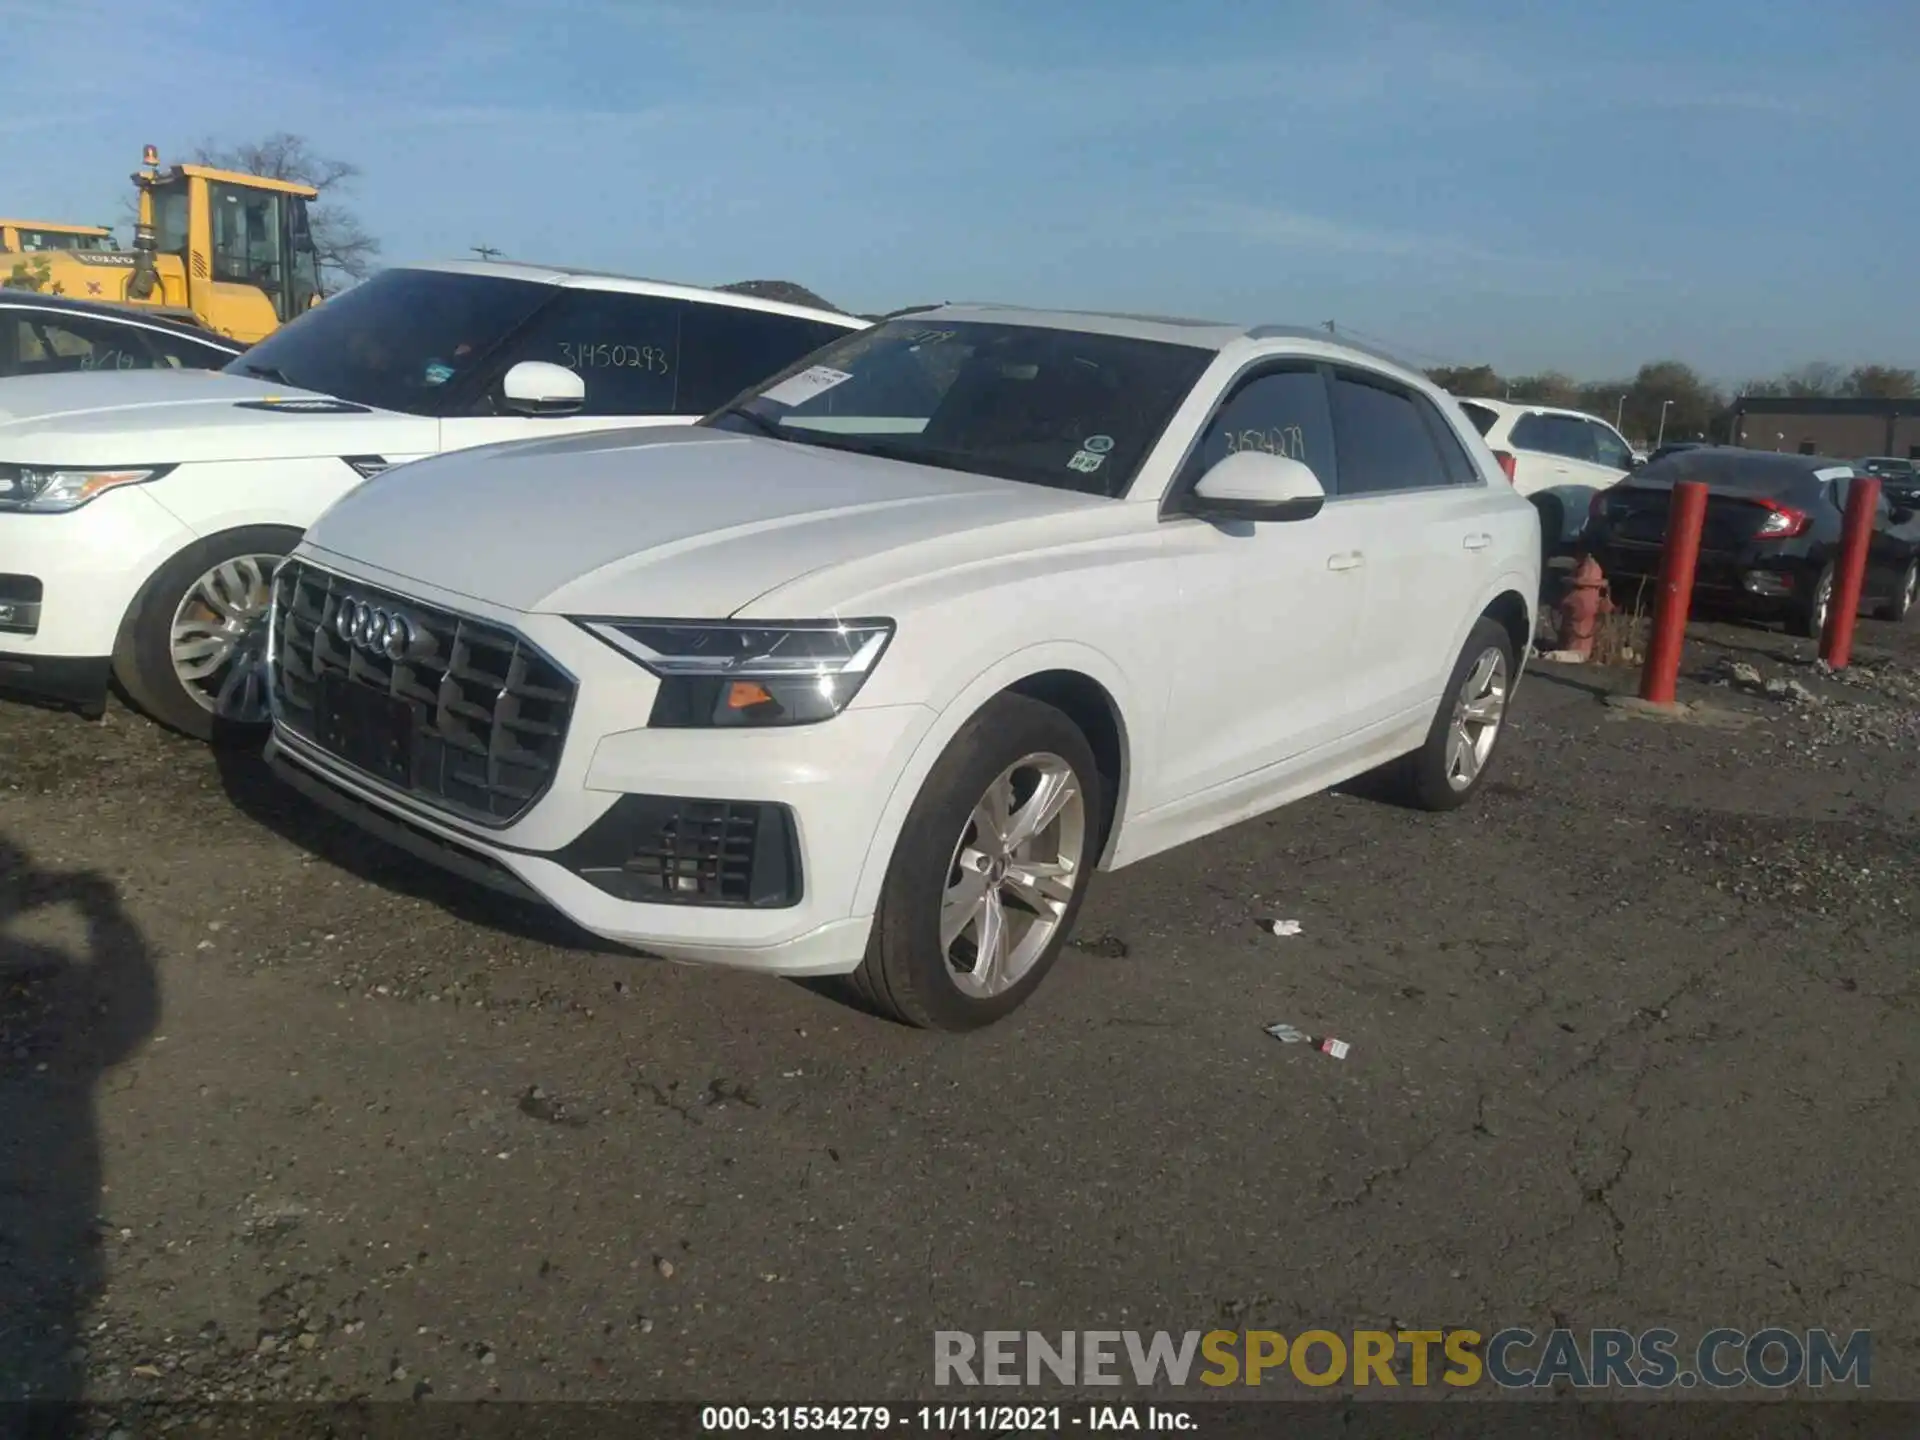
(1350, 560)
(1477, 542)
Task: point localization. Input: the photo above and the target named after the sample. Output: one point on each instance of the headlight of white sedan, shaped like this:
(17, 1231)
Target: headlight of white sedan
(721, 674)
(52, 489)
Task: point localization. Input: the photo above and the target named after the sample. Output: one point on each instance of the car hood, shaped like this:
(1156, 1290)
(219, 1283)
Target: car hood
(176, 416)
(677, 522)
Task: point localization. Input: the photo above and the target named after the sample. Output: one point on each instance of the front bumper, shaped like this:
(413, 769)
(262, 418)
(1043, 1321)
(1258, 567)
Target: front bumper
(67, 582)
(831, 782)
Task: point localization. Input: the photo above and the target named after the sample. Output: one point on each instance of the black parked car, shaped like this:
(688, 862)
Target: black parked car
(1899, 479)
(53, 335)
(1769, 541)
(1676, 447)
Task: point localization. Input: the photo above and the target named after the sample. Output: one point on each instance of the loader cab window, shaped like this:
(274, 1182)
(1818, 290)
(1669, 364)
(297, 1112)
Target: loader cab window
(249, 243)
(303, 262)
(62, 240)
(170, 218)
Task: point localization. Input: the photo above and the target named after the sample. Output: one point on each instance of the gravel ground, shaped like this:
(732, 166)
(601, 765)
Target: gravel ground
(283, 1115)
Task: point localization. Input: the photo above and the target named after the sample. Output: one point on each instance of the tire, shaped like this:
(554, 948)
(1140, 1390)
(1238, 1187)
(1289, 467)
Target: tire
(1430, 778)
(909, 973)
(1902, 602)
(143, 659)
(1811, 619)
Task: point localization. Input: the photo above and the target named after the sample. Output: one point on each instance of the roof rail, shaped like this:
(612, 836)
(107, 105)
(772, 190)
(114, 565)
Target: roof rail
(1304, 332)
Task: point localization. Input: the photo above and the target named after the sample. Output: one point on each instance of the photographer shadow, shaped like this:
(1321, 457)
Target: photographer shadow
(69, 1012)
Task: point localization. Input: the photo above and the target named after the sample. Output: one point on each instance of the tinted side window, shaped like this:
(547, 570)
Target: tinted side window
(45, 345)
(1608, 448)
(625, 347)
(1383, 442)
(1453, 459)
(1481, 417)
(1282, 412)
(178, 352)
(725, 349)
(1554, 435)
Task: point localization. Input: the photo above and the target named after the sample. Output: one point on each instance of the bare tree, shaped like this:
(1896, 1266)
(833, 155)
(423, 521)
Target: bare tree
(343, 245)
(1817, 379)
(1883, 382)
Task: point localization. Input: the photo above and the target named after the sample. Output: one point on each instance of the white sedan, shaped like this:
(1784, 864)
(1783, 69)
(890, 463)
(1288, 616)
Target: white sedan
(868, 671)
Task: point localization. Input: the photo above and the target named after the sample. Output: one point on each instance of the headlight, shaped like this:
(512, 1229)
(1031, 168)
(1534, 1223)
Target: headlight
(722, 674)
(51, 490)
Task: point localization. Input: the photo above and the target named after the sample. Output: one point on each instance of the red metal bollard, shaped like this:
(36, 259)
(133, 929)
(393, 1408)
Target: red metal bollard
(1685, 514)
(1843, 607)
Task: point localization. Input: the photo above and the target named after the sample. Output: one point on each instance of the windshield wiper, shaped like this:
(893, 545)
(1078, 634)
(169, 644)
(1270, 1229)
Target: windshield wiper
(769, 428)
(269, 372)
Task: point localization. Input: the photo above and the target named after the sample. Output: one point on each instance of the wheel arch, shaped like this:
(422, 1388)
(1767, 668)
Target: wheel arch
(1510, 611)
(1078, 680)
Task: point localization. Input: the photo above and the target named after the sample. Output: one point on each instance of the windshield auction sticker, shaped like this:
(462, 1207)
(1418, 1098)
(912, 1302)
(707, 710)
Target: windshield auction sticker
(798, 389)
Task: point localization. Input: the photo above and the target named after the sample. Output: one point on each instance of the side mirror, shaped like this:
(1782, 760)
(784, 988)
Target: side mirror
(1253, 485)
(534, 387)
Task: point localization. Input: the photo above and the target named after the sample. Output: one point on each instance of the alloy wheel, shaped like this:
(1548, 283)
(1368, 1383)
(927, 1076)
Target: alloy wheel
(1479, 707)
(1012, 875)
(215, 638)
(1822, 599)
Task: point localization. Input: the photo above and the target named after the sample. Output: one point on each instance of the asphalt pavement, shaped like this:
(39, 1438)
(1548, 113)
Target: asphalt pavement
(1632, 1043)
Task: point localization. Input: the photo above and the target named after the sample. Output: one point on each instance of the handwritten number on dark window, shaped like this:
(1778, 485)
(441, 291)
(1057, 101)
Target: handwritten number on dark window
(652, 358)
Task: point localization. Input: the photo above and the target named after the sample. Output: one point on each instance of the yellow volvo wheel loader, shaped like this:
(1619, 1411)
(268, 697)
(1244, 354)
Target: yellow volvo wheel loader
(35, 236)
(228, 252)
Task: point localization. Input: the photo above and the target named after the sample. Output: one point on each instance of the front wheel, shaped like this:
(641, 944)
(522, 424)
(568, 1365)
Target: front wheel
(192, 631)
(1902, 602)
(989, 872)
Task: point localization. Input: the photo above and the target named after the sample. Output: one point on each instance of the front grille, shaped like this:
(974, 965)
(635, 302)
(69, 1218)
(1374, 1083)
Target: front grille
(480, 716)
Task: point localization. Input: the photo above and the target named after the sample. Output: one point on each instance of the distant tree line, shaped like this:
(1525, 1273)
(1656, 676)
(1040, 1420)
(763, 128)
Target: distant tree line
(1699, 408)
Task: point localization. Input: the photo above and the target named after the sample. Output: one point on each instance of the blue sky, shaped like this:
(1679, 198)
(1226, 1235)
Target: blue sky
(1571, 185)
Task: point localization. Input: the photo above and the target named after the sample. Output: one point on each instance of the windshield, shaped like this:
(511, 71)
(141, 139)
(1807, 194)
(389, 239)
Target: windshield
(399, 341)
(1062, 408)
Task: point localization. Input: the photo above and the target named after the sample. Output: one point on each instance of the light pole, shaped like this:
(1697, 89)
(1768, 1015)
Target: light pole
(1664, 406)
(1619, 412)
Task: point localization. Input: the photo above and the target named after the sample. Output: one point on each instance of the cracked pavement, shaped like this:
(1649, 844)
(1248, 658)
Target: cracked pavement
(1633, 1045)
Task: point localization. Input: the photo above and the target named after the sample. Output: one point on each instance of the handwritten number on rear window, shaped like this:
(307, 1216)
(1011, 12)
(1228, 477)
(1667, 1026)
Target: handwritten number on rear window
(615, 357)
(1287, 440)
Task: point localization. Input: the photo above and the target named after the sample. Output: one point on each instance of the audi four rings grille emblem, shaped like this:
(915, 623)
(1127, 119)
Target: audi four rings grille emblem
(378, 632)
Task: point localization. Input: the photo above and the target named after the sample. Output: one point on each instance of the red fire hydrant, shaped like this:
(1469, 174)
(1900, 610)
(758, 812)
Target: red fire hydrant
(1581, 609)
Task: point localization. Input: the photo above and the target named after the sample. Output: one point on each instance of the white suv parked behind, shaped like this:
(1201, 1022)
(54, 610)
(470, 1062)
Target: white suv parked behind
(142, 512)
(1558, 459)
(867, 672)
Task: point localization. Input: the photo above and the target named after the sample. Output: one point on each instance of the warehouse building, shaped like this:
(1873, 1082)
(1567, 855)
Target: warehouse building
(1844, 429)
